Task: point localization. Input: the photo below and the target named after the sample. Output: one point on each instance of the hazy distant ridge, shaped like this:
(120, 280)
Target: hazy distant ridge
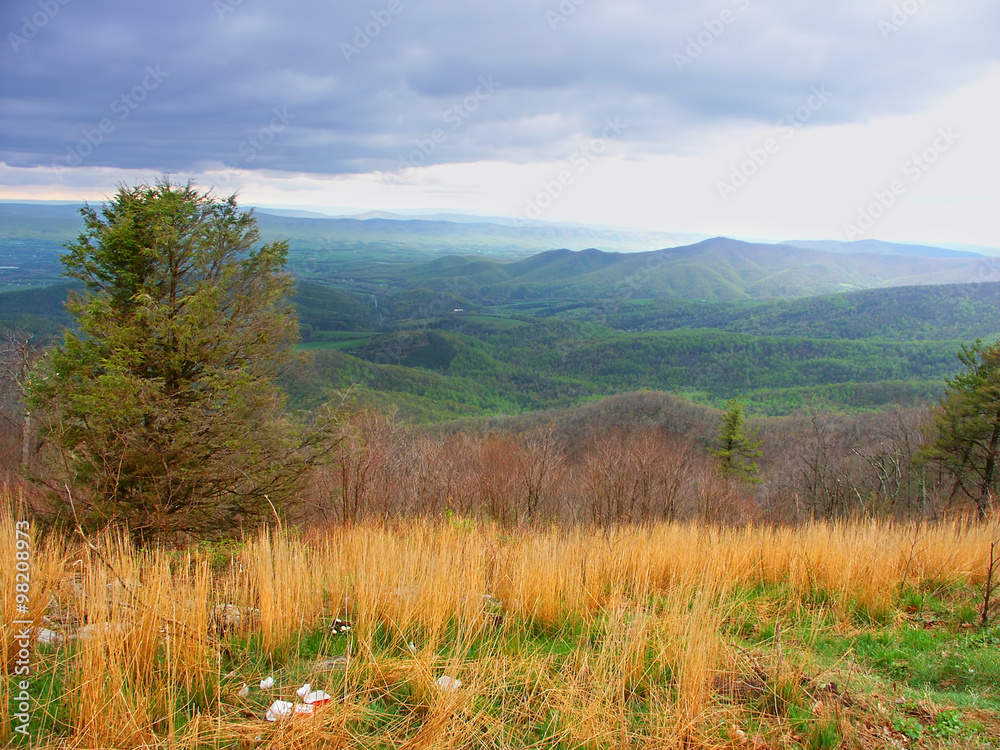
(878, 247)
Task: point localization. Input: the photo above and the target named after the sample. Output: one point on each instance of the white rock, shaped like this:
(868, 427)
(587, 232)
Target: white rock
(49, 636)
(90, 631)
(244, 691)
(267, 683)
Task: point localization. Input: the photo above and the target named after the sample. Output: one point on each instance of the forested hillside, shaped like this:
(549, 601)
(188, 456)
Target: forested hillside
(388, 310)
(415, 349)
(717, 269)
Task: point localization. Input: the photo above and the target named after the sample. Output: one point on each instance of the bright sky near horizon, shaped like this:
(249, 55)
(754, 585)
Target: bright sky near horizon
(772, 119)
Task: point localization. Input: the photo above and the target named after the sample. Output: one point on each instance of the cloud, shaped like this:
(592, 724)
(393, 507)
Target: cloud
(359, 84)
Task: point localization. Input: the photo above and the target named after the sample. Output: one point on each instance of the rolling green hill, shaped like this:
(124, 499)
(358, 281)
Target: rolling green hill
(717, 269)
(38, 311)
(860, 350)
(324, 308)
(954, 312)
(41, 311)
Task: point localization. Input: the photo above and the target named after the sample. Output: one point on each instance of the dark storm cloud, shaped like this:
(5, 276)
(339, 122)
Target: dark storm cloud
(352, 86)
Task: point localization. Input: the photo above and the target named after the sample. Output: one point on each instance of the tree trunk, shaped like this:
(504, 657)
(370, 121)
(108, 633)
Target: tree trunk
(26, 431)
(989, 471)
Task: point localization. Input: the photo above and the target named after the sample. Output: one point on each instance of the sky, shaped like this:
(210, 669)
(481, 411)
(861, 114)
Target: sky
(763, 119)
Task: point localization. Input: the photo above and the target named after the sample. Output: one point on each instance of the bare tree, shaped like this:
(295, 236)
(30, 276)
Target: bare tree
(18, 355)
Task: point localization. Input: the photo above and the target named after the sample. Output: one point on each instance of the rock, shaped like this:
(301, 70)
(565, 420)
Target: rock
(49, 637)
(225, 617)
(244, 691)
(267, 683)
(739, 689)
(89, 631)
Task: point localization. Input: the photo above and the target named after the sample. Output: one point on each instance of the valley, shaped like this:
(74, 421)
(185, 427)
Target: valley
(445, 319)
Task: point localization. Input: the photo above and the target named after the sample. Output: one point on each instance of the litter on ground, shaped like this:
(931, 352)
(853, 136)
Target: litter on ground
(448, 683)
(284, 709)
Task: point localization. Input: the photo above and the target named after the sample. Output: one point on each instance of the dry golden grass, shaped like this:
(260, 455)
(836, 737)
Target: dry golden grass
(575, 637)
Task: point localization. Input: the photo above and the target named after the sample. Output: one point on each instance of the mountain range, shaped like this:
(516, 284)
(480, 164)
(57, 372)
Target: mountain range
(714, 269)
(445, 318)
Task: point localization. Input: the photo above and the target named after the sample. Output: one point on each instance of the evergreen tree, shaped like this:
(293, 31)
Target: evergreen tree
(965, 431)
(162, 406)
(737, 444)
